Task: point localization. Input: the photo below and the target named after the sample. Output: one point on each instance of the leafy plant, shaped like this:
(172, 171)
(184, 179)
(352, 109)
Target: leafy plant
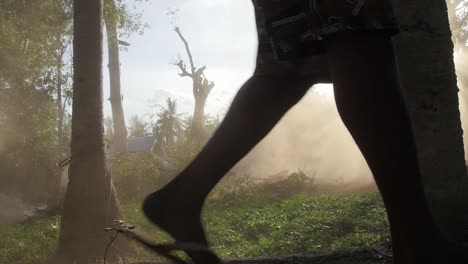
(253, 228)
(239, 189)
(134, 175)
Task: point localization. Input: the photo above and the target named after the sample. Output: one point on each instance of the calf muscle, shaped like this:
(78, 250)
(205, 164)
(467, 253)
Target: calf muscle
(370, 103)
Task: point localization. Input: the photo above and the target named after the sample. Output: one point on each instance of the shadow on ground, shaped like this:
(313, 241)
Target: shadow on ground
(370, 255)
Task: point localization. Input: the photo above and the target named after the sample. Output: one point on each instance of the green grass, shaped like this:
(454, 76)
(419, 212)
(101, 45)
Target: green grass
(29, 242)
(300, 224)
(257, 228)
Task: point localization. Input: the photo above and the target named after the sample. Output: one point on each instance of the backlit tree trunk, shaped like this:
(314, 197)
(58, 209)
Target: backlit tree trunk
(199, 115)
(425, 54)
(119, 144)
(90, 203)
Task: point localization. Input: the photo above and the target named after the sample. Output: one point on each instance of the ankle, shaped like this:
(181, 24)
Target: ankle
(180, 196)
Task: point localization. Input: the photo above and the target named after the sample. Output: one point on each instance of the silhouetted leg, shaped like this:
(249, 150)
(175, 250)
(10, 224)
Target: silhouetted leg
(370, 103)
(257, 107)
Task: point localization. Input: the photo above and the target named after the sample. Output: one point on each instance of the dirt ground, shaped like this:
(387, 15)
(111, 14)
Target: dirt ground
(356, 256)
(371, 255)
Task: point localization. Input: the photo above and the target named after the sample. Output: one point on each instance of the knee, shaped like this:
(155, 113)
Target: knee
(310, 70)
(270, 92)
(282, 87)
(348, 111)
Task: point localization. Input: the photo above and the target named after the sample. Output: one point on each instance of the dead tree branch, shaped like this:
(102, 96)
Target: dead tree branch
(187, 49)
(201, 86)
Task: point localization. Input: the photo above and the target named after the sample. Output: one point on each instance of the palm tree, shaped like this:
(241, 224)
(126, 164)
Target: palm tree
(169, 126)
(425, 55)
(90, 202)
(120, 130)
(138, 127)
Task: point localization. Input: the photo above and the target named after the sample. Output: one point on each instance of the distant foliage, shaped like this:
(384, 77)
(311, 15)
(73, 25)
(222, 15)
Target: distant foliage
(289, 184)
(236, 189)
(135, 176)
(137, 127)
(175, 143)
(33, 39)
(128, 15)
(168, 125)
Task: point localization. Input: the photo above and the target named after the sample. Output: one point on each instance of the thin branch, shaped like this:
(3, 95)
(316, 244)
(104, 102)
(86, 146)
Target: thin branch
(183, 68)
(199, 72)
(201, 85)
(187, 48)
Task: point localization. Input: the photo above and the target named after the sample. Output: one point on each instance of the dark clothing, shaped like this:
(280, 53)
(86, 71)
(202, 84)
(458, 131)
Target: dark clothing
(290, 29)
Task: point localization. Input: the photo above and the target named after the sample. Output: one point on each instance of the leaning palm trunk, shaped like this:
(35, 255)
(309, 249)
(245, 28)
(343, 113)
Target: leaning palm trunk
(90, 203)
(425, 55)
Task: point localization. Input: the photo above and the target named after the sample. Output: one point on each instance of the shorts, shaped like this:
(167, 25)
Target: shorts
(289, 29)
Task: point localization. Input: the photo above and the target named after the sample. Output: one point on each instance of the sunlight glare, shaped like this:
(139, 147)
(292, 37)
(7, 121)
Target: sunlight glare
(325, 90)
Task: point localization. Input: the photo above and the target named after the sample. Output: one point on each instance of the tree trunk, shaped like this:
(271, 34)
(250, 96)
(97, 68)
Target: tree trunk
(60, 109)
(425, 55)
(120, 130)
(90, 203)
(199, 116)
(201, 89)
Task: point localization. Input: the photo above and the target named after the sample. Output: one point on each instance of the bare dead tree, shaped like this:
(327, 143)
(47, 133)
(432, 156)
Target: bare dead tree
(200, 84)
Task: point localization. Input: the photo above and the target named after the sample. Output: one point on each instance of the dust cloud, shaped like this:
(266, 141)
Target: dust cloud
(310, 137)
(461, 65)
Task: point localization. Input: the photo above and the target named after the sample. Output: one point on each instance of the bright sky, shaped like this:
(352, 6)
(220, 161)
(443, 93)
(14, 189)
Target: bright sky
(222, 36)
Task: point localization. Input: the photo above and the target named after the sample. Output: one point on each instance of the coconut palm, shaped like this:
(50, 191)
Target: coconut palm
(169, 125)
(90, 202)
(138, 127)
(428, 78)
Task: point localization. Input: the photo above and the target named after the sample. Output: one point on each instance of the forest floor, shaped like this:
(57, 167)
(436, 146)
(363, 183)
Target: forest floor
(376, 255)
(352, 226)
(362, 255)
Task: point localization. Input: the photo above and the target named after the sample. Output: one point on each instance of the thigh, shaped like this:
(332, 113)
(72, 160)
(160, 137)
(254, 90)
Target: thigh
(305, 64)
(360, 53)
(356, 17)
(368, 8)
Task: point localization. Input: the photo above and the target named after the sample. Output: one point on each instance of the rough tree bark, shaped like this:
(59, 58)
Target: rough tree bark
(200, 84)
(425, 55)
(119, 143)
(90, 203)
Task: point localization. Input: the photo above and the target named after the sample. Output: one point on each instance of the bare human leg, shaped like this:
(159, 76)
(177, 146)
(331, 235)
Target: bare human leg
(257, 107)
(371, 105)
(370, 102)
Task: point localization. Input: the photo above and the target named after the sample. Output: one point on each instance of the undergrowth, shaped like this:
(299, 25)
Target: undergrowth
(30, 241)
(262, 227)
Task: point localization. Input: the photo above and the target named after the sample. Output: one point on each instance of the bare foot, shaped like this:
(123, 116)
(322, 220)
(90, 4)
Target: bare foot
(170, 211)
